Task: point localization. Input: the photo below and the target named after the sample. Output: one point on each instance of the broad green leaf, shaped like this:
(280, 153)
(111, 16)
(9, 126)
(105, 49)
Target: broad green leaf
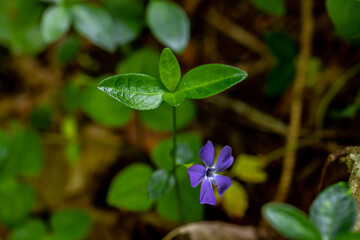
(334, 211)
(95, 24)
(169, 70)
(192, 210)
(160, 119)
(234, 201)
(161, 154)
(22, 18)
(169, 24)
(349, 236)
(184, 153)
(137, 91)
(29, 230)
(290, 222)
(128, 19)
(174, 99)
(71, 224)
(273, 7)
(160, 184)
(16, 201)
(104, 109)
(25, 154)
(144, 60)
(55, 23)
(128, 189)
(249, 169)
(346, 18)
(68, 49)
(207, 80)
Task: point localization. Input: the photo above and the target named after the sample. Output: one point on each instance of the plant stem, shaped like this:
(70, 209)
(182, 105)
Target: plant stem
(177, 187)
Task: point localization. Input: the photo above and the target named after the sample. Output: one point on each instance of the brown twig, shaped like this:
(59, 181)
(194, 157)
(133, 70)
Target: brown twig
(296, 104)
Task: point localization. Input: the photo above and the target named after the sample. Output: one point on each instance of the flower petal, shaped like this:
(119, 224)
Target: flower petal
(207, 154)
(225, 159)
(197, 173)
(207, 195)
(222, 183)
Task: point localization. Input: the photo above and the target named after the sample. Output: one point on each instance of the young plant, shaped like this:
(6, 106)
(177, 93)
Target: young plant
(332, 216)
(144, 92)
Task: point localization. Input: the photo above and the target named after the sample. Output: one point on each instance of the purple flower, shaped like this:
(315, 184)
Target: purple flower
(208, 175)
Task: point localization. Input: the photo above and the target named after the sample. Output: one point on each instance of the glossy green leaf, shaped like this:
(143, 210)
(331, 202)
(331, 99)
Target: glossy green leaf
(169, 70)
(273, 7)
(95, 24)
(137, 91)
(104, 109)
(16, 201)
(29, 230)
(346, 18)
(55, 22)
(192, 210)
(160, 184)
(128, 189)
(71, 224)
(334, 211)
(25, 154)
(160, 119)
(207, 80)
(174, 99)
(290, 222)
(169, 24)
(349, 236)
(144, 60)
(161, 154)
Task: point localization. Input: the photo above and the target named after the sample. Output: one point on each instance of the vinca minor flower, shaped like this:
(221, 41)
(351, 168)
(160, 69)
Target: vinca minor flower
(209, 174)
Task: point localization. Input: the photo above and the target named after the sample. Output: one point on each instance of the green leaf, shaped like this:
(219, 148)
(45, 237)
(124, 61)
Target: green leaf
(41, 117)
(16, 201)
(168, 205)
(161, 154)
(349, 236)
(169, 24)
(207, 80)
(334, 211)
(4, 148)
(29, 230)
(144, 60)
(68, 49)
(128, 19)
(104, 109)
(160, 184)
(169, 70)
(95, 24)
(55, 23)
(160, 119)
(281, 76)
(290, 222)
(184, 154)
(137, 91)
(174, 99)
(71, 224)
(273, 7)
(128, 189)
(25, 154)
(346, 18)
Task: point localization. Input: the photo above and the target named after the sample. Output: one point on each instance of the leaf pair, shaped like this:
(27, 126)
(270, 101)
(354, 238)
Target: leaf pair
(332, 216)
(143, 92)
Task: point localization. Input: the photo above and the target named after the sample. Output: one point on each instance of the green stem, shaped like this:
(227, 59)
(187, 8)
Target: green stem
(177, 187)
